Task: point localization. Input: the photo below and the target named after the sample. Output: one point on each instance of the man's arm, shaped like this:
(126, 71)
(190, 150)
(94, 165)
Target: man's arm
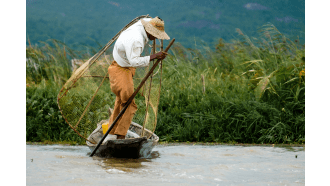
(133, 53)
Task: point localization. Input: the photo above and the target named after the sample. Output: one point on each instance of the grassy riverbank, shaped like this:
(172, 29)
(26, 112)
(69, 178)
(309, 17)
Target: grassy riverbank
(246, 91)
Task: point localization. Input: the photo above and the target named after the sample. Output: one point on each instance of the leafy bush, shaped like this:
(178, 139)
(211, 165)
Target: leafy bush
(44, 121)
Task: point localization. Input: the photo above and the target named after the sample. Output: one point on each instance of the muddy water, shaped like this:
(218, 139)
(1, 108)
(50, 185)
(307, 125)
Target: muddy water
(169, 165)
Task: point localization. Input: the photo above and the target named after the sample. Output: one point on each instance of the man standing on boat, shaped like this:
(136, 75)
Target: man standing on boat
(127, 56)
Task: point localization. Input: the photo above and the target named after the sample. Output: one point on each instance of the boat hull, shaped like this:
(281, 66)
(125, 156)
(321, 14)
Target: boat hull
(128, 148)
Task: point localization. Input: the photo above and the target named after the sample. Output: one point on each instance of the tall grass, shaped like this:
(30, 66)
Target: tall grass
(254, 91)
(251, 90)
(47, 68)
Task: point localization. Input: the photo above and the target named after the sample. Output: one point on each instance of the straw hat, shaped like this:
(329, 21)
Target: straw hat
(155, 27)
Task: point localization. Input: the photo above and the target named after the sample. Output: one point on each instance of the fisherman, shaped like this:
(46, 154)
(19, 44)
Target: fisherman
(127, 56)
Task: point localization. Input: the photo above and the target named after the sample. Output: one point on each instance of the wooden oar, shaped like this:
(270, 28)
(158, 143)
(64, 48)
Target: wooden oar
(130, 99)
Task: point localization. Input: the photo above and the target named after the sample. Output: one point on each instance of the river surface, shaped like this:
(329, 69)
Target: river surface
(169, 165)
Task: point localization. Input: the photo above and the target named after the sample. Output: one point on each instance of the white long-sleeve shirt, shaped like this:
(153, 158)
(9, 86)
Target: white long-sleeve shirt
(129, 46)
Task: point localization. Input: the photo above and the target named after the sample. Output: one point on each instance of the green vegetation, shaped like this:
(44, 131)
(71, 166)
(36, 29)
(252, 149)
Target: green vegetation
(247, 91)
(47, 69)
(44, 121)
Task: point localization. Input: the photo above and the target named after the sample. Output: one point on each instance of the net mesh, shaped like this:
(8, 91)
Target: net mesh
(85, 99)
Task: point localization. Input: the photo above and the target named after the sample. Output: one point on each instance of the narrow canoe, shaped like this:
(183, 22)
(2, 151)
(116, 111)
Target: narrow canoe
(134, 147)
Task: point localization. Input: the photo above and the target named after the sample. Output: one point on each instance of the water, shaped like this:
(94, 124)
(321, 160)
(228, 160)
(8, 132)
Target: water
(169, 165)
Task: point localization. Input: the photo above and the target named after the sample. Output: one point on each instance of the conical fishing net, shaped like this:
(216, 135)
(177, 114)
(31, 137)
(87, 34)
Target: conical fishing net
(86, 97)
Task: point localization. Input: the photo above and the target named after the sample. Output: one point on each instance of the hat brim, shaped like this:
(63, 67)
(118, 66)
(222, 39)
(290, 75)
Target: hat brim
(154, 31)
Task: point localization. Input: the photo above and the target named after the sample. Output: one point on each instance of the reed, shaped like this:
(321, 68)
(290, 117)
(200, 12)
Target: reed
(251, 90)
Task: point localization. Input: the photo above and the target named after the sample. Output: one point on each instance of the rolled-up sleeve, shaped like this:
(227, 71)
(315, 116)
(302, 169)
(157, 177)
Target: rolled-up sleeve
(133, 53)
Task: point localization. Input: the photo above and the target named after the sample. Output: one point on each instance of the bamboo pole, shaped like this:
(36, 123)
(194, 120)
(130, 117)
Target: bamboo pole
(153, 51)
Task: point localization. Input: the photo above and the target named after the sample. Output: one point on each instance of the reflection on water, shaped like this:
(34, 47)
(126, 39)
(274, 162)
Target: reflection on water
(124, 164)
(168, 165)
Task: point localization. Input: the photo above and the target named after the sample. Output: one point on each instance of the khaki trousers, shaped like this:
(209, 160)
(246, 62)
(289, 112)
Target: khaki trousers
(121, 83)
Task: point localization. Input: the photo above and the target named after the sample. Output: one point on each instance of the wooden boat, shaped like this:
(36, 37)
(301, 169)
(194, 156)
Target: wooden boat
(134, 147)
